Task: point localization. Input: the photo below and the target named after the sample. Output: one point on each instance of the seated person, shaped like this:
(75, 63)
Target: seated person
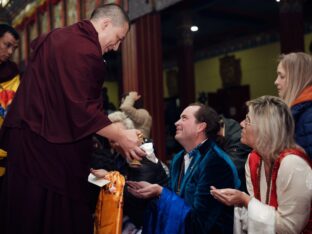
(187, 206)
(278, 174)
(148, 171)
(231, 143)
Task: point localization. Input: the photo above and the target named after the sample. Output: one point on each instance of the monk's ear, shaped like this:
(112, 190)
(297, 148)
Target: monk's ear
(105, 22)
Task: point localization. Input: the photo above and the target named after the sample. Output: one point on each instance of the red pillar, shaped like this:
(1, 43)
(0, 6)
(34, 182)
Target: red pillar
(142, 71)
(291, 26)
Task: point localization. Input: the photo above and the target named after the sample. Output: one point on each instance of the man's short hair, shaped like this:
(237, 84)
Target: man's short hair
(206, 114)
(113, 12)
(7, 28)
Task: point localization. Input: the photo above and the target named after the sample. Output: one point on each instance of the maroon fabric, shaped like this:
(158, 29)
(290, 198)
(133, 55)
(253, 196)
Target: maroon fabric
(48, 134)
(8, 70)
(45, 186)
(60, 95)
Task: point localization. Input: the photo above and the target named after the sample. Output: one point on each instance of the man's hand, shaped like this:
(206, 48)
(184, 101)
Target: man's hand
(144, 189)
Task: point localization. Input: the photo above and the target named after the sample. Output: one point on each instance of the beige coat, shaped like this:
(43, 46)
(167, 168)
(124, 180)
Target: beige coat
(140, 117)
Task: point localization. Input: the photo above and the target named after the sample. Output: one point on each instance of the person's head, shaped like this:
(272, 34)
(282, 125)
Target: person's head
(112, 24)
(8, 41)
(294, 73)
(268, 127)
(119, 118)
(197, 122)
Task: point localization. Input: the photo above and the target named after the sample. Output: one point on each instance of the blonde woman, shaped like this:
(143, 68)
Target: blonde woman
(294, 85)
(278, 174)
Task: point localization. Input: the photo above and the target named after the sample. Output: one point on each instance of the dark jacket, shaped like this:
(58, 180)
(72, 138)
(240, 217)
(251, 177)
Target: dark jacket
(237, 151)
(302, 112)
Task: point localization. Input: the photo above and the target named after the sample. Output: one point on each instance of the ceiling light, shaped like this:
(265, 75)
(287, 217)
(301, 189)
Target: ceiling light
(194, 28)
(4, 2)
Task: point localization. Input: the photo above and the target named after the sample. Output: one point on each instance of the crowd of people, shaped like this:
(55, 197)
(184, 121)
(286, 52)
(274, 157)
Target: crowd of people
(252, 177)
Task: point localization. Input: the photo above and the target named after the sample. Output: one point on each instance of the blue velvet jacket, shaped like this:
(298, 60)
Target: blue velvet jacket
(193, 209)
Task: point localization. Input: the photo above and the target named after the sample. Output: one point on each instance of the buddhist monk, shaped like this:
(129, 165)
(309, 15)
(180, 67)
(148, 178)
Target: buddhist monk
(48, 129)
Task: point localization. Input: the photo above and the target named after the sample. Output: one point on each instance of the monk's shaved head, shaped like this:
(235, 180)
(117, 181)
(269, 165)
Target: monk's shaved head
(112, 11)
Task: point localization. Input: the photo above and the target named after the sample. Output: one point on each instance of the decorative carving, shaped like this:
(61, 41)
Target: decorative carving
(230, 71)
(172, 83)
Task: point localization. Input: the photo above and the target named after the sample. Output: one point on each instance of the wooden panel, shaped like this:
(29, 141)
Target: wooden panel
(130, 60)
(72, 11)
(33, 31)
(23, 44)
(58, 15)
(44, 21)
(89, 6)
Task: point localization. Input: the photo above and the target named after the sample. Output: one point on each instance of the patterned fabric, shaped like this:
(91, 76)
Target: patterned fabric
(7, 92)
(108, 214)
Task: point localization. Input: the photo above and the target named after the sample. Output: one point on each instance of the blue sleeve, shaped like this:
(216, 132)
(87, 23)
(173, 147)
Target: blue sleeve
(167, 215)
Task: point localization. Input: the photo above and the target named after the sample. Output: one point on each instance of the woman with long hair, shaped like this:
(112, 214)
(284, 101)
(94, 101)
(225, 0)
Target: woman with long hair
(278, 174)
(294, 85)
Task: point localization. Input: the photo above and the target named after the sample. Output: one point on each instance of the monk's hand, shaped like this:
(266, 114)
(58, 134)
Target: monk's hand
(230, 197)
(130, 143)
(144, 189)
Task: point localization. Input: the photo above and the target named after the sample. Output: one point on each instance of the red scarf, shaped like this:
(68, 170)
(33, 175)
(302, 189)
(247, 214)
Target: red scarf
(254, 167)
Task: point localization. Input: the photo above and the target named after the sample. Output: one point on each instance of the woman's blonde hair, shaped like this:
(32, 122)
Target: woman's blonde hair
(298, 68)
(274, 126)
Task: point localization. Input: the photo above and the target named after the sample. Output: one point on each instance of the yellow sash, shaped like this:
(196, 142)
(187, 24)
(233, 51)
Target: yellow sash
(108, 214)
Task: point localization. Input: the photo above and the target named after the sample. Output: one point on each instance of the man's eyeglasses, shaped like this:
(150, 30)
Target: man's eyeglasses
(247, 121)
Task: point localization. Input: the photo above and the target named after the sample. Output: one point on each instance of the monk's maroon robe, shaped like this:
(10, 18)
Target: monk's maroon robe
(47, 133)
